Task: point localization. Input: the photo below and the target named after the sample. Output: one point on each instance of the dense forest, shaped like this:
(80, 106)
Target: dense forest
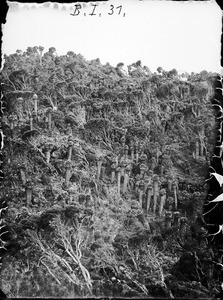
(105, 175)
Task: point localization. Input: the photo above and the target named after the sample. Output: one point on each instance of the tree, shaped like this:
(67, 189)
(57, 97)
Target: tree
(159, 70)
(52, 50)
(83, 135)
(172, 73)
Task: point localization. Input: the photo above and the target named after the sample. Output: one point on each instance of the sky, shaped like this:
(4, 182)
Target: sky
(181, 35)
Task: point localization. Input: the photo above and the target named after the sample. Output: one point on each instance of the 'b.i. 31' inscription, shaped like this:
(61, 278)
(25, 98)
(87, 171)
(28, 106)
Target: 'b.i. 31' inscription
(95, 11)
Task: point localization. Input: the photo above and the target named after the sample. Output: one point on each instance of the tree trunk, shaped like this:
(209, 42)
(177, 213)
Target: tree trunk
(103, 172)
(28, 196)
(157, 155)
(126, 182)
(99, 164)
(149, 179)
(140, 198)
(67, 176)
(126, 154)
(139, 110)
(36, 106)
(202, 147)
(149, 196)
(70, 152)
(169, 183)
(137, 156)
(197, 149)
(162, 170)
(155, 195)
(201, 150)
(23, 176)
(162, 203)
(113, 176)
(11, 125)
(170, 203)
(20, 113)
(48, 156)
(49, 121)
(88, 114)
(118, 181)
(168, 218)
(153, 165)
(31, 123)
(175, 197)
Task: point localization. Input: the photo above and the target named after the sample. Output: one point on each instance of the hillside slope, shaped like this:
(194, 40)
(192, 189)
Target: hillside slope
(104, 178)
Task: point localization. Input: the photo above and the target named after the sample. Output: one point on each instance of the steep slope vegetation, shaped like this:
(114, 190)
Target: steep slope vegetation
(104, 178)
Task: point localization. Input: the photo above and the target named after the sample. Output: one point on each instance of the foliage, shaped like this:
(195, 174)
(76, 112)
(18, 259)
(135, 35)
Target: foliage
(73, 232)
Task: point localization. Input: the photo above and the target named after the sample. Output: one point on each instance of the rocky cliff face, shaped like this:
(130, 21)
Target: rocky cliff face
(104, 178)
